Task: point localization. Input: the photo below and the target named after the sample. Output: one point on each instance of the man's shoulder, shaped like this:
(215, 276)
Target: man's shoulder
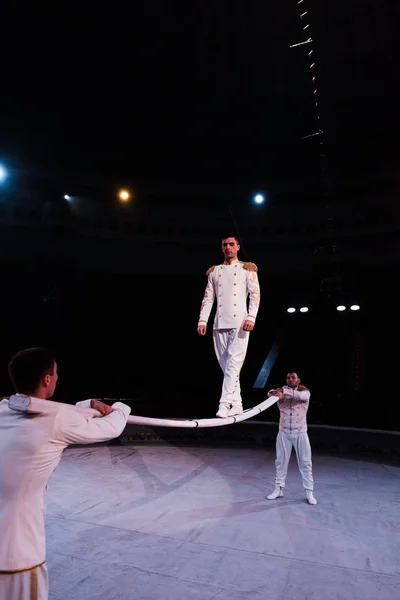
(210, 270)
(300, 388)
(249, 266)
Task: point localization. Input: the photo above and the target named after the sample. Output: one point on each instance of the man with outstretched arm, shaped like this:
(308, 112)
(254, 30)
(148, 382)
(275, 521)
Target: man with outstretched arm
(34, 432)
(293, 406)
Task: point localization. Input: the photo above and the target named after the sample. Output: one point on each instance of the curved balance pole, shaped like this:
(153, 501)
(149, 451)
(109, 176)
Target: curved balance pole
(192, 423)
(26, 404)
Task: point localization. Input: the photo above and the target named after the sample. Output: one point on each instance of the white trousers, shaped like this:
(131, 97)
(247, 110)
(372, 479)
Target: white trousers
(25, 585)
(230, 347)
(301, 444)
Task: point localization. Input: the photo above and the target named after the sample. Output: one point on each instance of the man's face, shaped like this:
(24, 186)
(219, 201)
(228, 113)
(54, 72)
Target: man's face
(230, 248)
(292, 380)
(51, 382)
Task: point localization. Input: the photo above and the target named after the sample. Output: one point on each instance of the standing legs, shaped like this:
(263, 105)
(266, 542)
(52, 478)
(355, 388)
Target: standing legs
(284, 444)
(303, 453)
(230, 348)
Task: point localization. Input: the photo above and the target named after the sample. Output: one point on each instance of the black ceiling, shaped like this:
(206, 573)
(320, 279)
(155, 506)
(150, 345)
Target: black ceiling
(192, 94)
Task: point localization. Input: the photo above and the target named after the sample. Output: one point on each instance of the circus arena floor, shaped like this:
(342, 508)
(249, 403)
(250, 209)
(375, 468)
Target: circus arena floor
(168, 522)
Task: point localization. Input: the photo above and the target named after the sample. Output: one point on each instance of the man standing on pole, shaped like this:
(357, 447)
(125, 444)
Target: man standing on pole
(230, 284)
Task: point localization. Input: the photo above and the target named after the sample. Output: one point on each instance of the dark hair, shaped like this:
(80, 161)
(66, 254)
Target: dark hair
(28, 367)
(230, 234)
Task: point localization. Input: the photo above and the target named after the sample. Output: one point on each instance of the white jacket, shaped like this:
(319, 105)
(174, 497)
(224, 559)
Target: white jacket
(293, 409)
(31, 446)
(230, 285)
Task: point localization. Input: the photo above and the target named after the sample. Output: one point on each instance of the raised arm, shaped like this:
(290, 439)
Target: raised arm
(302, 394)
(74, 428)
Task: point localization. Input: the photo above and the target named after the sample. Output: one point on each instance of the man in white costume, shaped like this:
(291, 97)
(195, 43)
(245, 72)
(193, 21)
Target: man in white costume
(230, 284)
(31, 445)
(293, 405)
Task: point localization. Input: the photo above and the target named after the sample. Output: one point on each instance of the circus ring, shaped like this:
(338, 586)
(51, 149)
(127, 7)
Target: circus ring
(169, 517)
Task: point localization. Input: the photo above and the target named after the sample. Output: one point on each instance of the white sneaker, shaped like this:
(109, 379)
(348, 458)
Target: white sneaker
(235, 411)
(222, 411)
(310, 497)
(277, 493)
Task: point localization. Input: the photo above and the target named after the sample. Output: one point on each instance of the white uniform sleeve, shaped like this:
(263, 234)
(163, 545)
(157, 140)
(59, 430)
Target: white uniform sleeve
(73, 428)
(87, 404)
(208, 301)
(253, 288)
(84, 403)
(303, 396)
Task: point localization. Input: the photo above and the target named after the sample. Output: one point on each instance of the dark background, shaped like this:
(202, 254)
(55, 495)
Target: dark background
(195, 109)
(134, 336)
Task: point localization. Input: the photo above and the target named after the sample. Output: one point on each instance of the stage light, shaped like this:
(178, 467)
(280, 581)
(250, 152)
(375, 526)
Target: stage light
(258, 198)
(66, 197)
(3, 174)
(124, 195)
(354, 307)
(291, 310)
(340, 308)
(304, 309)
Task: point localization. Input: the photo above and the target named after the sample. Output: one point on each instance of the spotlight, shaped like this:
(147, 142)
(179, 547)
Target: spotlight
(340, 308)
(3, 174)
(354, 307)
(66, 197)
(124, 195)
(304, 309)
(291, 310)
(258, 198)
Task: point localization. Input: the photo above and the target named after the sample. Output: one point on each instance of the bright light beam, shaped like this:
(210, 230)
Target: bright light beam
(3, 174)
(124, 195)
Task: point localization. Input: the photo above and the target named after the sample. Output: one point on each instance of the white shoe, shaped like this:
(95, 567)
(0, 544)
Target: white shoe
(235, 411)
(222, 411)
(277, 493)
(310, 497)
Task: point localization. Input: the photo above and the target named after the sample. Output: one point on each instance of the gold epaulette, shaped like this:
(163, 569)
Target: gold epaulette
(302, 388)
(210, 270)
(250, 266)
